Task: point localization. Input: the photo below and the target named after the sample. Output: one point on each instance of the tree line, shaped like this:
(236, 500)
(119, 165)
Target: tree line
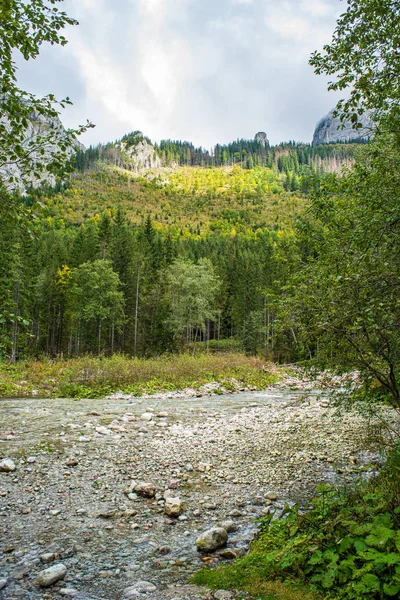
(293, 157)
(112, 286)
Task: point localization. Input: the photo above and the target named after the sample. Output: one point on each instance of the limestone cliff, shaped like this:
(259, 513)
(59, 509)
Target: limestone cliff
(13, 174)
(261, 138)
(138, 152)
(328, 130)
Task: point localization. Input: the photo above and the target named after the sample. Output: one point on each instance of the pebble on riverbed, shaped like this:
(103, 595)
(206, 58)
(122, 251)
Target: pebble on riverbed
(7, 465)
(173, 507)
(140, 587)
(51, 575)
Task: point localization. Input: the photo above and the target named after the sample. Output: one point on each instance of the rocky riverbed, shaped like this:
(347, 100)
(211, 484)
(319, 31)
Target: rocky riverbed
(74, 505)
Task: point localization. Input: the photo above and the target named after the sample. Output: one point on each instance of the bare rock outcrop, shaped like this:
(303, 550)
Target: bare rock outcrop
(329, 130)
(138, 152)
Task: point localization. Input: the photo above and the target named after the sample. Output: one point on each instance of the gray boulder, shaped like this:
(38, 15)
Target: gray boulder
(212, 539)
(51, 575)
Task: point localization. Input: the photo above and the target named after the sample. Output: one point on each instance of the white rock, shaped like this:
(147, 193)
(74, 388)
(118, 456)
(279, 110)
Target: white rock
(212, 539)
(140, 587)
(173, 507)
(7, 465)
(223, 595)
(146, 416)
(103, 430)
(51, 575)
(48, 557)
(3, 583)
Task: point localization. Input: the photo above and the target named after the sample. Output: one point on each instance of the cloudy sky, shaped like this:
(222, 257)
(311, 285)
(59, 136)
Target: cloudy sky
(201, 70)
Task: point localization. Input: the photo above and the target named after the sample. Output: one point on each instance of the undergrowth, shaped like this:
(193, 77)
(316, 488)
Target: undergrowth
(345, 545)
(94, 377)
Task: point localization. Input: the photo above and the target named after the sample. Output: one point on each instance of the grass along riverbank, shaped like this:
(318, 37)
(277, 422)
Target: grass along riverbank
(89, 377)
(346, 545)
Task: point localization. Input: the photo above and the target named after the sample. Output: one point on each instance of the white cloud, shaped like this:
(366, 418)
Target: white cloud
(206, 71)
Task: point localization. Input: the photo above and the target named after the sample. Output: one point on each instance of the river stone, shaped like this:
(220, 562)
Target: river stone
(7, 465)
(212, 539)
(271, 496)
(223, 595)
(140, 587)
(51, 575)
(47, 557)
(103, 430)
(145, 489)
(173, 507)
(3, 583)
(230, 526)
(146, 416)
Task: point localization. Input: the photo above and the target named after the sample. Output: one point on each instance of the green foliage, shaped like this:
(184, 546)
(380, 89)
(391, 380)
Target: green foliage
(344, 305)
(192, 291)
(363, 55)
(25, 27)
(345, 544)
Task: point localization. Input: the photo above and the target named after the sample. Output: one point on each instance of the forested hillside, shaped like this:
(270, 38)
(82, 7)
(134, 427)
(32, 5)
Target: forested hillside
(159, 260)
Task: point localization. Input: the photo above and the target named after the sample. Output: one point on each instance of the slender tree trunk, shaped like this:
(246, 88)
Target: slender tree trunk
(13, 359)
(99, 341)
(78, 339)
(265, 328)
(195, 340)
(136, 310)
(112, 336)
(61, 331)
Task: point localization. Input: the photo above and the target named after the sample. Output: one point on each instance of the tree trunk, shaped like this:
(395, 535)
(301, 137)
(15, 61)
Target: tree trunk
(112, 336)
(99, 341)
(13, 358)
(136, 310)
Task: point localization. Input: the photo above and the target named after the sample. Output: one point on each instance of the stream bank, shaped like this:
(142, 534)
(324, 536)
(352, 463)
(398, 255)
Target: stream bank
(229, 458)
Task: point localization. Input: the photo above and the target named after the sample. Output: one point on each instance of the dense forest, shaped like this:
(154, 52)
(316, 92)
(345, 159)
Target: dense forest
(114, 264)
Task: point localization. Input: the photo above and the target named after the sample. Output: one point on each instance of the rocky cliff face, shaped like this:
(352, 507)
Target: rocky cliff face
(13, 174)
(261, 138)
(328, 130)
(138, 152)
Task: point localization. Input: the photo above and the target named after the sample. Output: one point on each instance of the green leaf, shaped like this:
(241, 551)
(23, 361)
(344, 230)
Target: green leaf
(391, 590)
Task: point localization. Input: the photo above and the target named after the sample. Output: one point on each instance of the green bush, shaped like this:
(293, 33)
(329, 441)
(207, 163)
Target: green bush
(345, 544)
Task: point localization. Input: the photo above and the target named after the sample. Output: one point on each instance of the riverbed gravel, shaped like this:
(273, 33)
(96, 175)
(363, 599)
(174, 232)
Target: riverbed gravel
(109, 496)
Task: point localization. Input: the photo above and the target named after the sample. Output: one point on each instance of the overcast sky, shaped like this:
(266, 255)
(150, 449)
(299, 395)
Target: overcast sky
(201, 70)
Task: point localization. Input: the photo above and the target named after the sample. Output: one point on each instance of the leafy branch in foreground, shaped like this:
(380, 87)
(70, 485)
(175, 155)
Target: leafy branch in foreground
(345, 303)
(364, 56)
(29, 154)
